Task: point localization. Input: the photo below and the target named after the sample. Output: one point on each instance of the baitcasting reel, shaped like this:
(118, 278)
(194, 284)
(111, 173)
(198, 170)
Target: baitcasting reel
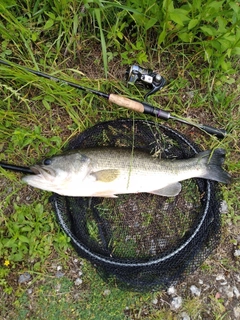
(145, 77)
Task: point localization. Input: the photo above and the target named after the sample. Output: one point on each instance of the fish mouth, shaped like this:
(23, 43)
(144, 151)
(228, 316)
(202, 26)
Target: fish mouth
(44, 172)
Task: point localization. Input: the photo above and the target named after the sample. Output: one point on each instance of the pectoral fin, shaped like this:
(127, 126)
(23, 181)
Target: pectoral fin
(107, 175)
(171, 190)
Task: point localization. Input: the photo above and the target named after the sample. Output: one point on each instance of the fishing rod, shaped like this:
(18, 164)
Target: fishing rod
(15, 168)
(129, 103)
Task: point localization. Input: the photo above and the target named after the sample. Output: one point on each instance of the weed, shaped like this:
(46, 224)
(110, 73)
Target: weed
(28, 232)
(196, 46)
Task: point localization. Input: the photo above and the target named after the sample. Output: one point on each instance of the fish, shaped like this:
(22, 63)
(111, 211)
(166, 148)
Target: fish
(108, 172)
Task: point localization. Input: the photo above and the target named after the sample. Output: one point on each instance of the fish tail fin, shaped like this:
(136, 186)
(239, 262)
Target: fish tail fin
(214, 161)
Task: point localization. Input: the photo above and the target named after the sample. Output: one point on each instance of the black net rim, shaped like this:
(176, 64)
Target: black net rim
(131, 264)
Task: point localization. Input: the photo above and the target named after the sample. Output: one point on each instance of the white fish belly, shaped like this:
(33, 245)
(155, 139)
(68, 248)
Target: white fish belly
(127, 182)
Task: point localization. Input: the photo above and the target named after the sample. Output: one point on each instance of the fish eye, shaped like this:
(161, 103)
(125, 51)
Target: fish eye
(47, 162)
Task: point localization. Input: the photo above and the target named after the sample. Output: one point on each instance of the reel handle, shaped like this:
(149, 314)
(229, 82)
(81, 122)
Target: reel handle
(126, 102)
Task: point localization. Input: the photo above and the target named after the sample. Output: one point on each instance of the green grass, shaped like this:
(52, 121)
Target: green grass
(92, 42)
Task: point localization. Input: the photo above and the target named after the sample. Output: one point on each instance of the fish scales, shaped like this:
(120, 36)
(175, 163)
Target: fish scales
(107, 172)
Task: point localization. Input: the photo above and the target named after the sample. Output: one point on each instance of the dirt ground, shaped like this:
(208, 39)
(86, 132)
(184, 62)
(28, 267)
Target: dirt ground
(217, 283)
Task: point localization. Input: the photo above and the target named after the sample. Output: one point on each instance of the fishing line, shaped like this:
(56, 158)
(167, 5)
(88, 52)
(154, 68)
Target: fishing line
(129, 103)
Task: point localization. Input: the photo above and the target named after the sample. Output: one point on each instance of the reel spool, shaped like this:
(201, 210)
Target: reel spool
(142, 240)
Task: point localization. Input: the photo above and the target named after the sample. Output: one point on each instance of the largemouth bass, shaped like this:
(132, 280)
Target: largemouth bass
(106, 172)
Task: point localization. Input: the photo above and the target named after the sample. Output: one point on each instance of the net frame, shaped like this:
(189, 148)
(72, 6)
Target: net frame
(151, 272)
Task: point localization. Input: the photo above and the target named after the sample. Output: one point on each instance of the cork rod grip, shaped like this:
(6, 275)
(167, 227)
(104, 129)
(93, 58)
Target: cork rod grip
(126, 102)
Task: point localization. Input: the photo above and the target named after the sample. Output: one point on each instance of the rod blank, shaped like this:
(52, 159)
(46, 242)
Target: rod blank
(128, 103)
(15, 168)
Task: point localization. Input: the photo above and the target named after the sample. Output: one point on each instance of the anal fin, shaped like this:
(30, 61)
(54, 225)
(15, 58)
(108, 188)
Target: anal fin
(171, 190)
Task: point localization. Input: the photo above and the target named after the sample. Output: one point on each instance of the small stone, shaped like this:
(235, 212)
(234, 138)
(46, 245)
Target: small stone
(165, 206)
(236, 312)
(190, 94)
(106, 292)
(176, 303)
(220, 277)
(200, 281)
(228, 290)
(59, 274)
(237, 276)
(223, 207)
(58, 287)
(155, 301)
(30, 291)
(236, 292)
(80, 273)
(25, 277)
(218, 295)
(59, 268)
(185, 316)
(195, 291)
(236, 253)
(171, 291)
(78, 281)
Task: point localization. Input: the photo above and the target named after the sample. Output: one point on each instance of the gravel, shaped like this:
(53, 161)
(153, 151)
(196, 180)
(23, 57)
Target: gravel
(195, 291)
(24, 278)
(222, 286)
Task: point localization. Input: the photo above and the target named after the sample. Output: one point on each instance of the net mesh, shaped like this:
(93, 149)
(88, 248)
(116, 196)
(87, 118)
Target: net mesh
(144, 241)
